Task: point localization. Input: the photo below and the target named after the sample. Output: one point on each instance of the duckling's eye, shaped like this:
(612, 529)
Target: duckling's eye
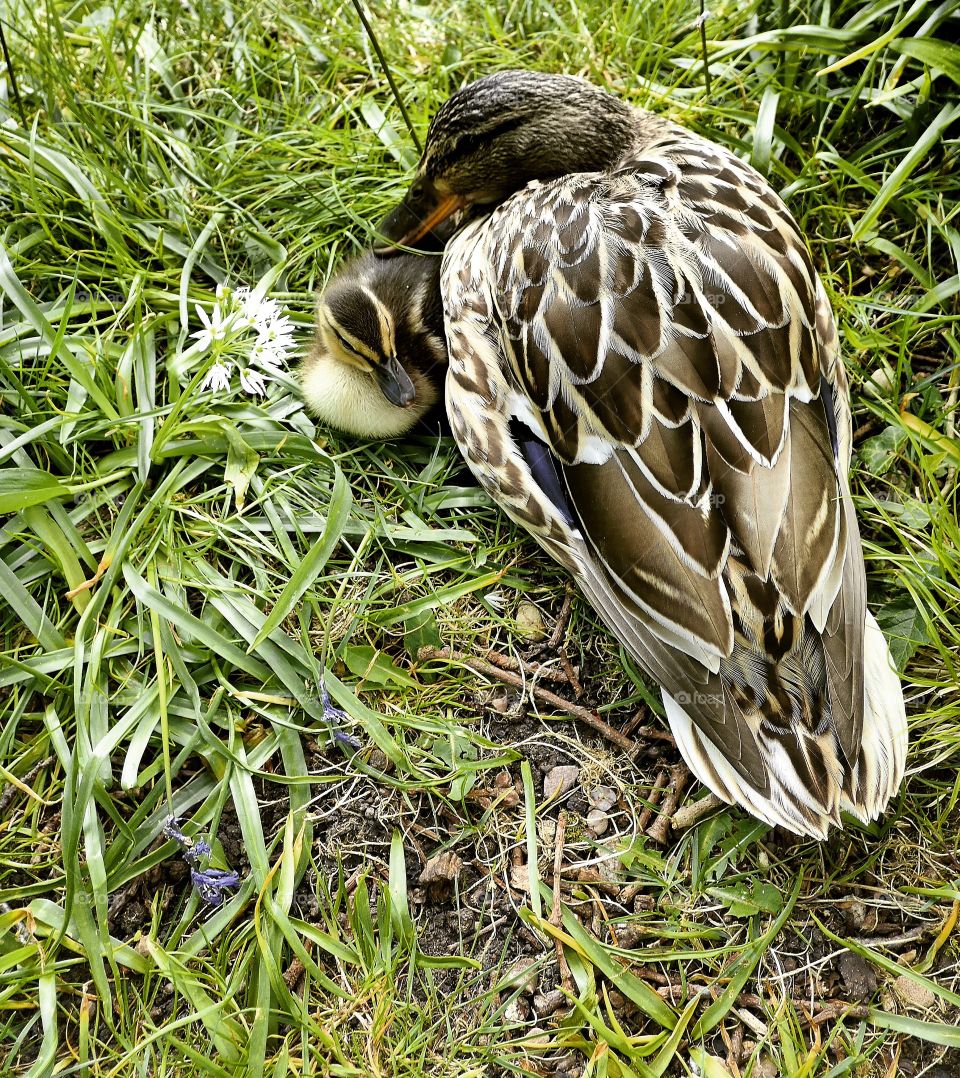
(347, 346)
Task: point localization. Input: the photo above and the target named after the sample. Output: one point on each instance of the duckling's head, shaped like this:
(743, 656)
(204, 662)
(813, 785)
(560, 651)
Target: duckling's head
(379, 351)
(499, 133)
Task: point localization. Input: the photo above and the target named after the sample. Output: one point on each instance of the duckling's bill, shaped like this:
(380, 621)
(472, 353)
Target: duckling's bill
(396, 384)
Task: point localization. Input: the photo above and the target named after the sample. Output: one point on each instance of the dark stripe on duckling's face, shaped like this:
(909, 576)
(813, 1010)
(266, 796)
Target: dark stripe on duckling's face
(365, 328)
(362, 324)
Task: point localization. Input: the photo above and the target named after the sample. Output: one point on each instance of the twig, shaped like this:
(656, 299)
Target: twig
(571, 674)
(386, 70)
(13, 79)
(894, 941)
(652, 733)
(293, 974)
(590, 877)
(563, 619)
(703, 45)
(734, 1045)
(24, 784)
(654, 799)
(555, 916)
(659, 831)
(863, 430)
(531, 670)
(591, 718)
(687, 815)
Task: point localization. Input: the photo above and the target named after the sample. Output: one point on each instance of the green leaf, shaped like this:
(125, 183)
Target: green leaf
(763, 130)
(708, 1065)
(665, 1056)
(385, 131)
(459, 752)
(312, 565)
(397, 885)
(935, 1032)
(904, 627)
(911, 159)
(881, 451)
(242, 461)
(749, 901)
(28, 610)
(23, 487)
(373, 665)
(421, 631)
(447, 961)
(444, 596)
(530, 821)
(939, 54)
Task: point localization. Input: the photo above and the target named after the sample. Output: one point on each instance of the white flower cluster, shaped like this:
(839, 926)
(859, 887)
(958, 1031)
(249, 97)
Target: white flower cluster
(248, 335)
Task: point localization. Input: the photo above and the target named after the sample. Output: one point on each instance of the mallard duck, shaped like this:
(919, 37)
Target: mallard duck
(645, 374)
(374, 367)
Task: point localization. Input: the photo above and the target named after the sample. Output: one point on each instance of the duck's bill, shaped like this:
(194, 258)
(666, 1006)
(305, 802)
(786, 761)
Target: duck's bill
(395, 383)
(406, 227)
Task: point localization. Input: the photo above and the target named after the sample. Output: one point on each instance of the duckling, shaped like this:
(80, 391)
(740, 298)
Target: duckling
(379, 351)
(645, 374)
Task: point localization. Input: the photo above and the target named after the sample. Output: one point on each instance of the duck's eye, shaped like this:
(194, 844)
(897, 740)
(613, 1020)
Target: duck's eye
(417, 191)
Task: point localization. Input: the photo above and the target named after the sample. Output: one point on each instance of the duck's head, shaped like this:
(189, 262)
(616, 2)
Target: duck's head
(499, 133)
(379, 350)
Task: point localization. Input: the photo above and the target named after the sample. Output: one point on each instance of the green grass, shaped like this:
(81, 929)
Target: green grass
(158, 150)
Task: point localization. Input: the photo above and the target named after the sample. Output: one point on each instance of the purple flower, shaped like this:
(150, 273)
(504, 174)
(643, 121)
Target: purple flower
(335, 715)
(172, 830)
(209, 883)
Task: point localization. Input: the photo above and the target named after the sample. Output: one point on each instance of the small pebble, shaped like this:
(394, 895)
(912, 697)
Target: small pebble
(519, 878)
(517, 1011)
(505, 790)
(524, 973)
(568, 1067)
(499, 702)
(856, 914)
(859, 978)
(530, 622)
(380, 762)
(880, 383)
(912, 994)
(597, 821)
(444, 866)
(603, 797)
(546, 1003)
(560, 780)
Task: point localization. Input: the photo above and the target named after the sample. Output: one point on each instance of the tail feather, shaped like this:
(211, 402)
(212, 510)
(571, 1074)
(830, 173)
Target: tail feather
(807, 788)
(883, 747)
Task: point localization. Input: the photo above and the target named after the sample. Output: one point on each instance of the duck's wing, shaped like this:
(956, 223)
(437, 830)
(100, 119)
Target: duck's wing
(645, 375)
